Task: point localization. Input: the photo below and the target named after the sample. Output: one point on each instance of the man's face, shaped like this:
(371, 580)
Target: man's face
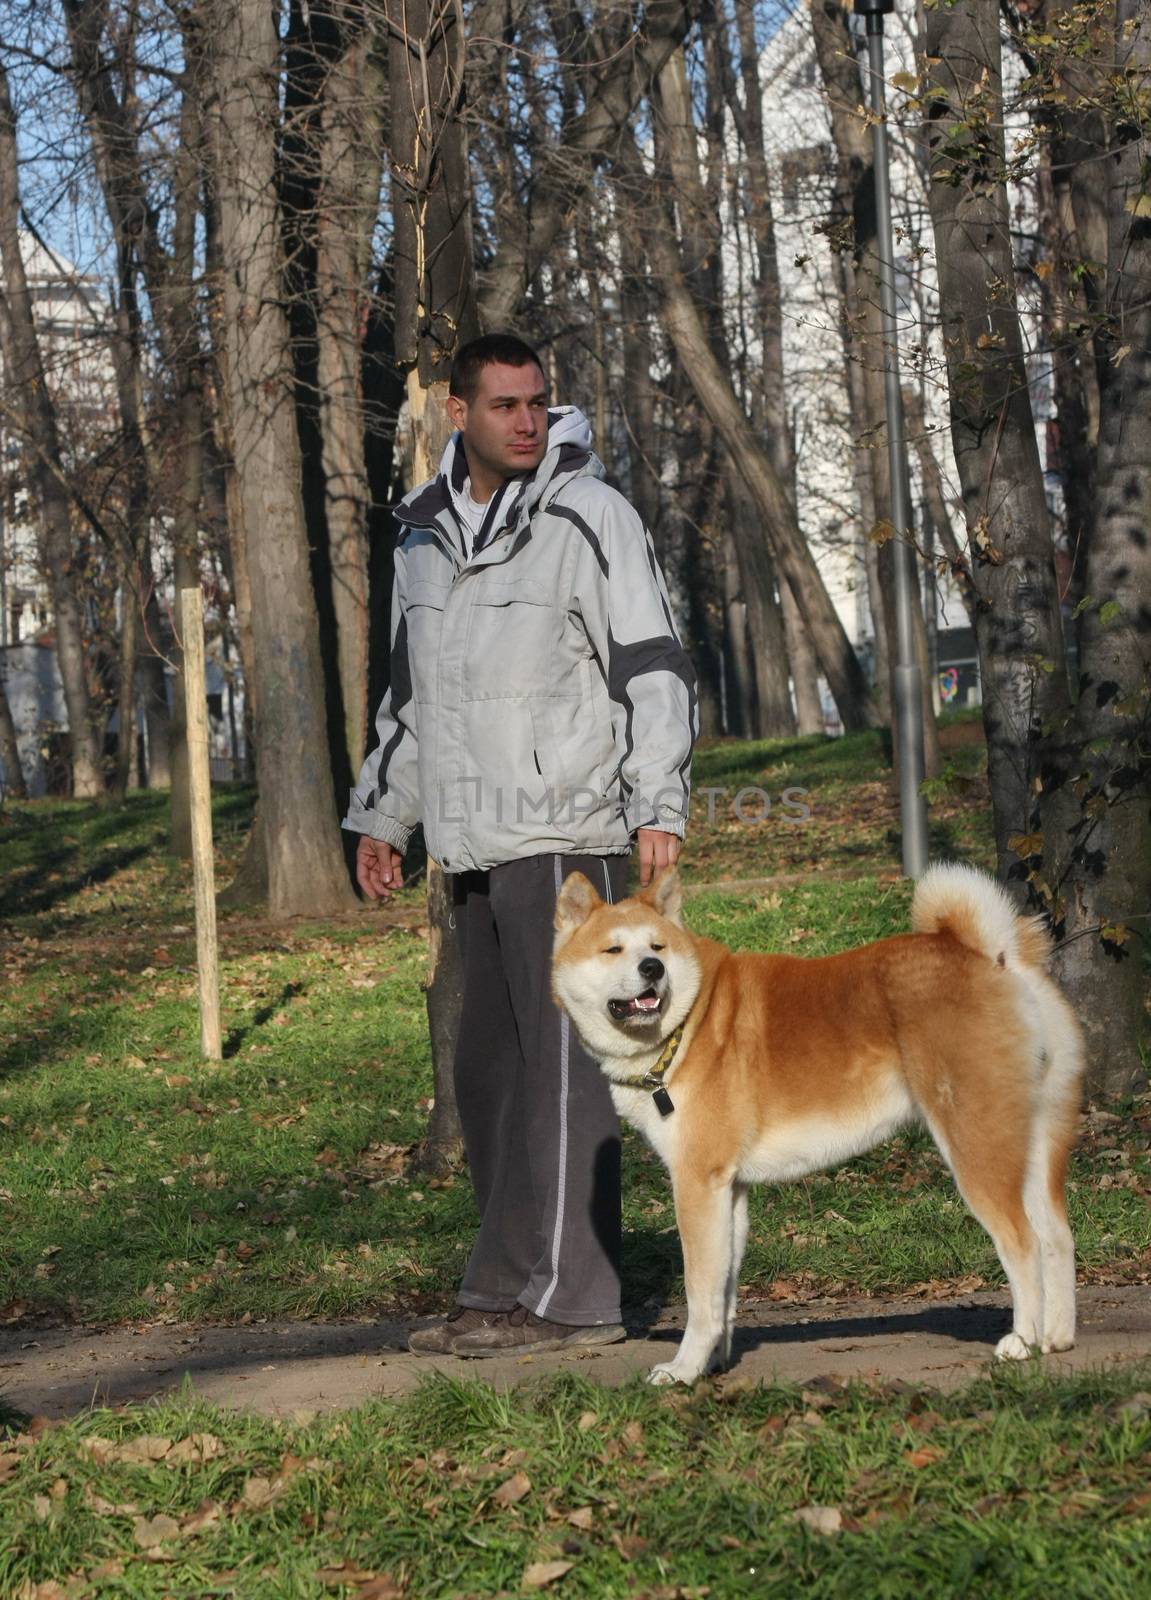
(505, 424)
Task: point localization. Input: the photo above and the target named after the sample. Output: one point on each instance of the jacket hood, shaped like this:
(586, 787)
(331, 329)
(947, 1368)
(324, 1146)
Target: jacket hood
(569, 452)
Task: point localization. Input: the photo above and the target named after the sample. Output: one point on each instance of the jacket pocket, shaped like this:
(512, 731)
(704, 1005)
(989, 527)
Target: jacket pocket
(512, 646)
(424, 613)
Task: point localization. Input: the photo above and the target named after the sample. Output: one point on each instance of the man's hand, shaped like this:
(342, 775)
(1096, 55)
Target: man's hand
(656, 851)
(377, 867)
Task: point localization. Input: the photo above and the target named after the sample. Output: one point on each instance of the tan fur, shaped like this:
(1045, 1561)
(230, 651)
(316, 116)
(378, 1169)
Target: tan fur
(789, 1065)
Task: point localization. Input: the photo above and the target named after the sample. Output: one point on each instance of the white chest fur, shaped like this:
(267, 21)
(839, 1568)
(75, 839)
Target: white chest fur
(638, 1107)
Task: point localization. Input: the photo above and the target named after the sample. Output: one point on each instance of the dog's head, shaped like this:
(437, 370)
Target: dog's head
(627, 974)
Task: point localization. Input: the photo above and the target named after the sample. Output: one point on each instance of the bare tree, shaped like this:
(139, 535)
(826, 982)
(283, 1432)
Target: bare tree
(14, 784)
(713, 388)
(1095, 836)
(1017, 621)
(306, 870)
(435, 312)
(36, 415)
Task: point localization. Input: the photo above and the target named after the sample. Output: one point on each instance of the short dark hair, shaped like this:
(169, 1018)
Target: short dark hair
(489, 349)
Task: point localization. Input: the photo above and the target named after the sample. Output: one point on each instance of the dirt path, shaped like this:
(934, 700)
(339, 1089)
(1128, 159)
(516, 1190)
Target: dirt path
(288, 1368)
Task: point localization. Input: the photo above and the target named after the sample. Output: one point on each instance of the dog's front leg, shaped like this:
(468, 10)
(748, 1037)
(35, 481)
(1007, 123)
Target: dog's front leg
(704, 1214)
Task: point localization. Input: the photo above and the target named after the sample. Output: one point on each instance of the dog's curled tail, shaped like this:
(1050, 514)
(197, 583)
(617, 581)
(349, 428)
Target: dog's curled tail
(973, 908)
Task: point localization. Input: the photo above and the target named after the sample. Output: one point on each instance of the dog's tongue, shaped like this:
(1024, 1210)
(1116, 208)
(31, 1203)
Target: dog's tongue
(647, 1002)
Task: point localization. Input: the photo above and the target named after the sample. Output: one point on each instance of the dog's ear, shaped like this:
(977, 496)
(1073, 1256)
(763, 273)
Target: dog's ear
(665, 896)
(575, 903)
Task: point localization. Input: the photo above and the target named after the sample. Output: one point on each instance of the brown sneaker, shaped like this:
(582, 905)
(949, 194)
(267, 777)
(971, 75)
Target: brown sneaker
(440, 1338)
(521, 1330)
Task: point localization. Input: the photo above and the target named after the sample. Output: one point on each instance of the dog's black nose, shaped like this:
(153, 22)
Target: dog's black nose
(651, 969)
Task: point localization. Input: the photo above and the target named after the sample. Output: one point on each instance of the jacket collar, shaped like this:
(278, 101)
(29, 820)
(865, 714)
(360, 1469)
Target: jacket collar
(432, 504)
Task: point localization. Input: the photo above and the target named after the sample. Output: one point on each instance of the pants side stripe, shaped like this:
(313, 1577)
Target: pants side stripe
(557, 1234)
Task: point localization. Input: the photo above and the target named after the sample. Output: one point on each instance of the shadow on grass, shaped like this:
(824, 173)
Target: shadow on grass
(18, 898)
(236, 1036)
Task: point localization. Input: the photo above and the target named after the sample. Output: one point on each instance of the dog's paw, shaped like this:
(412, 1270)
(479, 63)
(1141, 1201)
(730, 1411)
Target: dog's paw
(665, 1374)
(1012, 1347)
(1052, 1347)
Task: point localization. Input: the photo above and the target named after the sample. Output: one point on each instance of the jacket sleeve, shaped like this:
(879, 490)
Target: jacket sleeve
(385, 804)
(622, 600)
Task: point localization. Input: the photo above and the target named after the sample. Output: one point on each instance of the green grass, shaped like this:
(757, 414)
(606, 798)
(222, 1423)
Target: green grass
(1020, 1487)
(849, 790)
(137, 1182)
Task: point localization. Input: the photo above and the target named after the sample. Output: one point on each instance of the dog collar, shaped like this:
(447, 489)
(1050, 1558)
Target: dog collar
(653, 1080)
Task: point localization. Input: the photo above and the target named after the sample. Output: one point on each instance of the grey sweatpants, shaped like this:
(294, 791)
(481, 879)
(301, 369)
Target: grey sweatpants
(539, 1126)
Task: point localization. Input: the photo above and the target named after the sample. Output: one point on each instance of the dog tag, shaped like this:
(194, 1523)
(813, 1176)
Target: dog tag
(663, 1102)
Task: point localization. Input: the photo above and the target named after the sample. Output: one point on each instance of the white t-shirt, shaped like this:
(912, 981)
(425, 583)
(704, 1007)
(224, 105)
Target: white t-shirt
(472, 515)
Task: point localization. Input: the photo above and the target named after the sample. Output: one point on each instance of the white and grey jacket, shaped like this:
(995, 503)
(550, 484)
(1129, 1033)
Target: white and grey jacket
(540, 699)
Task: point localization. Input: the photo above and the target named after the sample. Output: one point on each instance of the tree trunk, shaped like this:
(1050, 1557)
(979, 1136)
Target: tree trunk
(13, 786)
(1017, 625)
(351, 141)
(126, 690)
(638, 384)
(714, 391)
(852, 234)
(25, 373)
(306, 869)
(773, 717)
(804, 666)
(1097, 822)
(435, 312)
(157, 714)
(935, 499)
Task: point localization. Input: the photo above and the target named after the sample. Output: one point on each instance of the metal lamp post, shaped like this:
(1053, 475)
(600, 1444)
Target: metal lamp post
(908, 684)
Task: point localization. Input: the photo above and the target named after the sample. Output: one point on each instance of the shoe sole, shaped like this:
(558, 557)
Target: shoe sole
(586, 1339)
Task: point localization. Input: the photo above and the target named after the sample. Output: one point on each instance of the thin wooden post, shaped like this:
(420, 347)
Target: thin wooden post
(200, 786)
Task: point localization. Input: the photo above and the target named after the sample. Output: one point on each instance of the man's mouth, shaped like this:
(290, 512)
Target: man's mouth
(641, 1005)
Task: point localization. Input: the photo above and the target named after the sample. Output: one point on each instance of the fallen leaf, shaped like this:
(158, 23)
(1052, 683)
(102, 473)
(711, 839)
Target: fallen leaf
(820, 1519)
(513, 1489)
(148, 1532)
(381, 1588)
(583, 1518)
(588, 1419)
(196, 1449)
(258, 1493)
(924, 1457)
(206, 1515)
(107, 1508)
(542, 1573)
(147, 1448)
(629, 1545)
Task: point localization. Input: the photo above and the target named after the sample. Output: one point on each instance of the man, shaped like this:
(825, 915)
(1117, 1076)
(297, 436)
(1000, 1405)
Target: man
(540, 718)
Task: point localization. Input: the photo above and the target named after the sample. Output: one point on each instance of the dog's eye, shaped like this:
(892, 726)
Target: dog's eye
(614, 950)
(659, 947)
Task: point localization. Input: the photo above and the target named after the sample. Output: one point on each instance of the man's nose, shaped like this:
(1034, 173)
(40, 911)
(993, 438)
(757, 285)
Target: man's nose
(527, 421)
(651, 969)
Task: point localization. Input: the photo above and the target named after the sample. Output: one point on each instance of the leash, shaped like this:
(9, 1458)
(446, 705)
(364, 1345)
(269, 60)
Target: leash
(653, 1080)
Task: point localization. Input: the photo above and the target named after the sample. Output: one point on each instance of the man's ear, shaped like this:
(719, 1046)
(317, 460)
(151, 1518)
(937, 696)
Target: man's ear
(457, 410)
(575, 903)
(665, 895)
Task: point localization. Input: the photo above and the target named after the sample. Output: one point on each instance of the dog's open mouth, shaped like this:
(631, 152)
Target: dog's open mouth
(640, 1005)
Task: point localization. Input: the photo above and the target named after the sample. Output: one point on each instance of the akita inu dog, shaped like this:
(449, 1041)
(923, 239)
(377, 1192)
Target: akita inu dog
(755, 1068)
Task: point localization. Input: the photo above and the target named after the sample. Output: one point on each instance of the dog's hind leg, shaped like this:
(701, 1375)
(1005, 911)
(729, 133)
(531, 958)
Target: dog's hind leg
(738, 1244)
(1046, 1192)
(1046, 1204)
(704, 1212)
(990, 1166)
